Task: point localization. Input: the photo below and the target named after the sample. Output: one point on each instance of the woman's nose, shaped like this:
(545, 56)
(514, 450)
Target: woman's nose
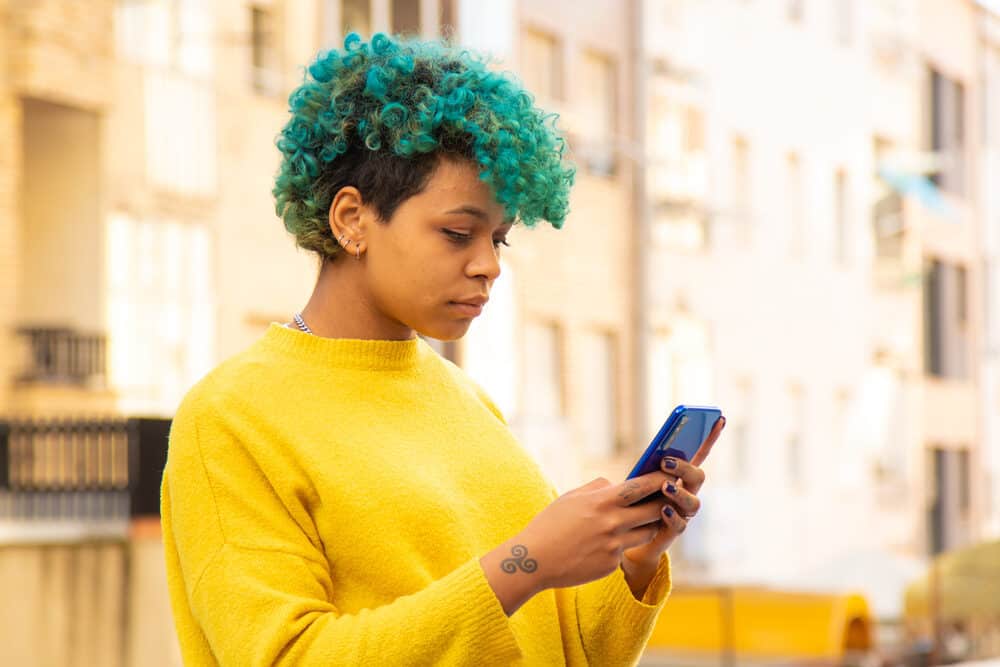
(486, 262)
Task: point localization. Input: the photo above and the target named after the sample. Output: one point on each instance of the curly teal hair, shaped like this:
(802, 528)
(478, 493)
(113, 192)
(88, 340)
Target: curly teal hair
(380, 116)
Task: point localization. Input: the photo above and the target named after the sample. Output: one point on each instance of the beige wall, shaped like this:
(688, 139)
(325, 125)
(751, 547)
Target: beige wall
(62, 51)
(10, 178)
(580, 276)
(781, 321)
(151, 640)
(953, 414)
(87, 604)
(58, 52)
(62, 605)
(261, 275)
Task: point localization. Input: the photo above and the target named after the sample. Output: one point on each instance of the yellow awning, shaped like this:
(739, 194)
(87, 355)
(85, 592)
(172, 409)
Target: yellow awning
(761, 622)
(968, 584)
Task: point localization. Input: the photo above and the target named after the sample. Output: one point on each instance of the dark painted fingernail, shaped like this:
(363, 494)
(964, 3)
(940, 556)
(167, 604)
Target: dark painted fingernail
(669, 463)
(671, 488)
(668, 510)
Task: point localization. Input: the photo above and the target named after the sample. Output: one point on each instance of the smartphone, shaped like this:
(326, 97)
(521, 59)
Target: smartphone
(681, 435)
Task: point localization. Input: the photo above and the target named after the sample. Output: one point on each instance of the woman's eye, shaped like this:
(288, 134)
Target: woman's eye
(500, 242)
(457, 237)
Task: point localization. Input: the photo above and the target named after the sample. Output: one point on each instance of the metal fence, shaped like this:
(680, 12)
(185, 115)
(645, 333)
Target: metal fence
(62, 469)
(63, 355)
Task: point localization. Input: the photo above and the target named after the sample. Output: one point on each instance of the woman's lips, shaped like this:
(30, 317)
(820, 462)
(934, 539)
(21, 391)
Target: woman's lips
(467, 309)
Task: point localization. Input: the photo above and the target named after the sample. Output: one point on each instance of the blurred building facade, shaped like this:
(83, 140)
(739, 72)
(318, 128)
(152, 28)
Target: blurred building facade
(799, 228)
(160, 173)
(989, 196)
(139, 248)
(817, 206)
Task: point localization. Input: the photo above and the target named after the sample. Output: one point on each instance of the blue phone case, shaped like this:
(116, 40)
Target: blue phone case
(680, 436)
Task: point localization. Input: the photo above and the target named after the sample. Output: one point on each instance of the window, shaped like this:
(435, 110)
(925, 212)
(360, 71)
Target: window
(796, 438)
(406, 17)
(739, 187)
(182, 162)
(949, 498)
(542, 64)
(841, 418)
(739, 428)
(490, 349)
(964, 481)
(677, 173)
(844, 20)
(796, 10)
(265, 59)
(599, 392)
(355, 16)
(543, 388)
(991, 285)
(947, 131)
(946, 326)
(661, 380)
(937, 492)
(796, 204)
(447, 18)
(991, 126)
(160, 311)
(62, 192)
(694, 130)
(887, 212)
(173, 34)
(598, 84)
(841, 224)
(681, 369)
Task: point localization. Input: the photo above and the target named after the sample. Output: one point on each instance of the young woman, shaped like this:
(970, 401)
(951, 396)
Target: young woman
(339, 494)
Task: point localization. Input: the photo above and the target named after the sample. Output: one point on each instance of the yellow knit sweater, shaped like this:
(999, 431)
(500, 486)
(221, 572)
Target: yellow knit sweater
(326, 502)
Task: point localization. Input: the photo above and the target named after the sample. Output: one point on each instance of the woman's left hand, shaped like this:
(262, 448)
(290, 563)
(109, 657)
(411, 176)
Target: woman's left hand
(684, 481)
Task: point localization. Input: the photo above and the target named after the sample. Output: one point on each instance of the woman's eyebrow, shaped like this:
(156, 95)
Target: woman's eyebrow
(468, 209)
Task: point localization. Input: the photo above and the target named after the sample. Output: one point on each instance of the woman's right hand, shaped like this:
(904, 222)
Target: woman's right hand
(578, 538)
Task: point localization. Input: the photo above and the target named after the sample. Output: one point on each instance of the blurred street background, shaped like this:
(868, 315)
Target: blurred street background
(787, 208)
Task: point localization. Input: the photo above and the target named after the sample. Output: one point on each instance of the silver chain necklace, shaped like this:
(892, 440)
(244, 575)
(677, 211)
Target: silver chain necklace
(301, 324)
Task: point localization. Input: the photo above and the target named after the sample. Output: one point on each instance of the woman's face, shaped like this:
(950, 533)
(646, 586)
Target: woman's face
(432, 266)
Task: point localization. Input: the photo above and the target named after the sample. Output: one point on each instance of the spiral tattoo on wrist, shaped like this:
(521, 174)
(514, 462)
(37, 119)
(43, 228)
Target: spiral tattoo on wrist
(519, 561)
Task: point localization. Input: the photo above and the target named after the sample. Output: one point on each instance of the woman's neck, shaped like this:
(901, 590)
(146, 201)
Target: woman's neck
(341, 306)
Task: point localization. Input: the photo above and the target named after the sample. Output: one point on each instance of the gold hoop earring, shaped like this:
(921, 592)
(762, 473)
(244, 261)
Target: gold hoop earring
(358, 249)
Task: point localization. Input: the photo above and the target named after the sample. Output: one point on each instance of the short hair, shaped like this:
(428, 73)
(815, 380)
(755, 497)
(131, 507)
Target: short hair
(381, 115)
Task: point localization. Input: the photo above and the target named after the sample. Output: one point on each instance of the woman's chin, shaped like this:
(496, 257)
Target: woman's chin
(446, 331)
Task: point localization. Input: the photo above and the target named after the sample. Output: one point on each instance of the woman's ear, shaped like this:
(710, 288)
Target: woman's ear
(349, 218)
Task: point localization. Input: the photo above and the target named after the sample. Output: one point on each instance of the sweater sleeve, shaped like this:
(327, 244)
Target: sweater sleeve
(264, 596)
(614, 625)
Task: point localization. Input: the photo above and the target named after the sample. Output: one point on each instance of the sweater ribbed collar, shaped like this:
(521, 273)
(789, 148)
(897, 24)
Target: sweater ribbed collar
(376, 355)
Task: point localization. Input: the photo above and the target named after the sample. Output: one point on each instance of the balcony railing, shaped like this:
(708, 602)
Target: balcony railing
(888, 226)
(62, 355)
(81, 470)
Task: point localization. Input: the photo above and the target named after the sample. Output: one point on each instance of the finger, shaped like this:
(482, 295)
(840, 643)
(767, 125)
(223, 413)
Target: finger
(686, 502)
(637, 488)
(673, 524)
(691, 476)
(706, 447)
(640, 514)
(642, 535)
